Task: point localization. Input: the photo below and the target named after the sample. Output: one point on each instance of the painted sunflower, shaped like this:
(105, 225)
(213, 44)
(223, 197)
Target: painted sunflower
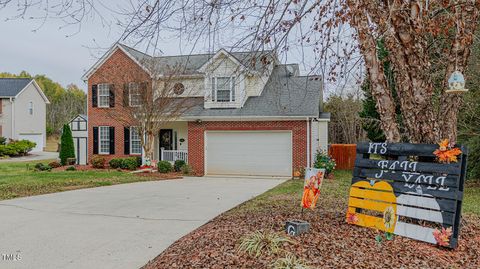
(389, 217)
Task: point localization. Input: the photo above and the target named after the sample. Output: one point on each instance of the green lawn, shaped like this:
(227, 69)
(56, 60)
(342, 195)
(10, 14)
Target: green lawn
(18, 179)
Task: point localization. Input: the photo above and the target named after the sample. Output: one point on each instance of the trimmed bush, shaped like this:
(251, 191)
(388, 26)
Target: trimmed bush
(67, 149)
(178, 165)
(3, 140)
(186, 169)
(164, 167)
(130, 163)
(115, 163)
(42, 167)
(139, 161)
(98, 162)
(54, 164)
(17, 147)
(71, 168)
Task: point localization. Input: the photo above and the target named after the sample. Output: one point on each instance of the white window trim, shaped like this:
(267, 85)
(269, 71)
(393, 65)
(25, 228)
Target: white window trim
(99, 95)
(130, 94)
(232, 89)
(30, 108)
(139, 139)
(100, 140)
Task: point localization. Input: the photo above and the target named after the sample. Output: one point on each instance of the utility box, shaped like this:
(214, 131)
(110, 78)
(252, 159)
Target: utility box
(296, 227)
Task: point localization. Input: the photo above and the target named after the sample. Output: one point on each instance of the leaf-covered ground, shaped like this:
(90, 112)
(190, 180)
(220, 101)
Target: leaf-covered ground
(331, 243)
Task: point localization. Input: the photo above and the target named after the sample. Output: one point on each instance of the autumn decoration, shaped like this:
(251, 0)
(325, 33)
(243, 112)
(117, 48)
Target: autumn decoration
(443, 236)
(352, 218)
(389, 217)
(445, 153)
(311, 188)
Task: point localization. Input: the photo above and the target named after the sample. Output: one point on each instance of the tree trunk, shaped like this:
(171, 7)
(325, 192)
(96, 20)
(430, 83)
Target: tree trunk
(383, 97)
(459, 53)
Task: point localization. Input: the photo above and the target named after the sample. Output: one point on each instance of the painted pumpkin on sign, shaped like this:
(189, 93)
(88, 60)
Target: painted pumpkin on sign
(379, 197)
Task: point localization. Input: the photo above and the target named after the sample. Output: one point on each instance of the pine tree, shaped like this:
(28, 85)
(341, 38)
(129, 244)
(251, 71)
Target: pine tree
(67, 149)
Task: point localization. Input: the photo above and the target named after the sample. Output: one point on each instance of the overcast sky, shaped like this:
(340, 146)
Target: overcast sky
(65, 54)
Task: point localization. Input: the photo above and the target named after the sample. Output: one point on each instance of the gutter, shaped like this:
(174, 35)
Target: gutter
(308, 142)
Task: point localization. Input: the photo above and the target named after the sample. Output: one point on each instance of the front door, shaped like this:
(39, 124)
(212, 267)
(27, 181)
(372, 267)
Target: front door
(166, 140)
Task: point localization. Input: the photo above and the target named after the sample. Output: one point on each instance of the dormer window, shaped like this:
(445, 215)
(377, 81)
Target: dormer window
(223, 89)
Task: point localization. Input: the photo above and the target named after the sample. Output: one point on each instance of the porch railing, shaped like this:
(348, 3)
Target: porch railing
(173, 155)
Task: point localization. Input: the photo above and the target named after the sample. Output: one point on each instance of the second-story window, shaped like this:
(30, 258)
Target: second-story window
(134, 95)
(103, 95)
(223, 89)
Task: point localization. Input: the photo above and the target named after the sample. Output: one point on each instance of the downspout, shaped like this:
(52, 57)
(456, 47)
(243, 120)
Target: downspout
(308, 142)
(12, 119)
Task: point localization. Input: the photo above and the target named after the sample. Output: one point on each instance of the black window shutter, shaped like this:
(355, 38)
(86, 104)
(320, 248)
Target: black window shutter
(126, 140)
(95, 140)
(112, 95)
(112, 140)
(94, 96)
(125, 95)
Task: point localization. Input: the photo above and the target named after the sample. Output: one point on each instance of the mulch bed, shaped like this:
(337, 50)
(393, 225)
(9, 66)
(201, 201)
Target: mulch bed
(331, 242)
(152, 176)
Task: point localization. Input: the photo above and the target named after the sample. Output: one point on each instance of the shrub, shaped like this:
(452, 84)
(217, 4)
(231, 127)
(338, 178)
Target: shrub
(98, 162)
(67, 150)
(71, 168)
(323, 161)
(129, 163)
(54, 164)
(259, 241)
(139, 161)
(19, 147)
(178, 165)
(164, 167)
(186, 169)
(3, 140)
(42, 167)
(115, 163)
(7, 150)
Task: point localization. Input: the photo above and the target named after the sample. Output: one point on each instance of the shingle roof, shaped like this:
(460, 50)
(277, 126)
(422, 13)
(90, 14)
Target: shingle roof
(283, 95)
(10, 87)
(189, 64)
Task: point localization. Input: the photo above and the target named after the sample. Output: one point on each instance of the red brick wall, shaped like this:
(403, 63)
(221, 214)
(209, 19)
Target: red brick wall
(196, 157)
(118, 70)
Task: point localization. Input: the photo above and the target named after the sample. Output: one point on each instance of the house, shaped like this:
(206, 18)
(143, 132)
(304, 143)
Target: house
(78, 125)
(256, 116)
(23, 108)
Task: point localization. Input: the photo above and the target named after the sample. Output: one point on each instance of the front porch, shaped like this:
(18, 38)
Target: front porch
(171, 143)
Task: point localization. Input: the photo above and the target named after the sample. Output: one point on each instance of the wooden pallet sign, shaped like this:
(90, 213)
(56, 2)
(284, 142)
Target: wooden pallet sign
(400, 188)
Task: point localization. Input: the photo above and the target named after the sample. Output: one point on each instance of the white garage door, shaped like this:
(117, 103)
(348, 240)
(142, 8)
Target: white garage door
(37, 138)
(255, 153)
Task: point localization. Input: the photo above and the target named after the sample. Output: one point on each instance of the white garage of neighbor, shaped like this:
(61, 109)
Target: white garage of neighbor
(245, 153)
(37, 138)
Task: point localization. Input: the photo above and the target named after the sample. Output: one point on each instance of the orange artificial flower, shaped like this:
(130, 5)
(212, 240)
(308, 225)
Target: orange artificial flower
(443, 236)
(446, 154)
(352, 218)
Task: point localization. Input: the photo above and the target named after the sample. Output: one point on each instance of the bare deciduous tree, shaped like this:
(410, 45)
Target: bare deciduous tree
(427, 41)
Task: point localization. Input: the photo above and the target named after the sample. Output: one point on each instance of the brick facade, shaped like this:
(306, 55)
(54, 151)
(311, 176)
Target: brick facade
(196, 143)
(118, 69)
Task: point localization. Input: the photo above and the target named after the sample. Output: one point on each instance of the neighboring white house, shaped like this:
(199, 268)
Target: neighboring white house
(79, 125)
(23, 108)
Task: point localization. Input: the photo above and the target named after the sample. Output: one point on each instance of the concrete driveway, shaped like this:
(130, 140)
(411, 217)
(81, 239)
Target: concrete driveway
(121, 226)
